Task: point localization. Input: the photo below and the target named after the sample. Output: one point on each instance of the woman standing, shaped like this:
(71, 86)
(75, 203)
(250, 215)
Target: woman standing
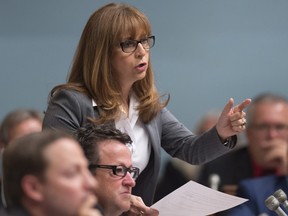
(111, 82)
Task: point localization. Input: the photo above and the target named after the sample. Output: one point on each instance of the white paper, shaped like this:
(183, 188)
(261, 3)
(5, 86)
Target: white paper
(195, 199)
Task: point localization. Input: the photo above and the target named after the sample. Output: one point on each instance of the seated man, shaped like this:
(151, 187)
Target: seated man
(257, 191)
(46, 174)
(18, 123)
(266, 149)
(15, 124)
(110, 161)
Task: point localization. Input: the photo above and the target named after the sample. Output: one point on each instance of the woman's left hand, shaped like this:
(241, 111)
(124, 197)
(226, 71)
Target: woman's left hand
(232, 119)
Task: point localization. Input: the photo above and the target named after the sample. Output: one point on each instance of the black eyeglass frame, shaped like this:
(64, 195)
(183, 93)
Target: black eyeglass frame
(266, 127)
(134, 171)
(136, 42)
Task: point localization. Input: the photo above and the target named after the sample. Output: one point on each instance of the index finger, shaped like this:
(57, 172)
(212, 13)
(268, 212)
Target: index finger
(243, 105)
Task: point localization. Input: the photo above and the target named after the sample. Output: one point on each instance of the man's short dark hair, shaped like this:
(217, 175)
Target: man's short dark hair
(92, 134)
(25, 156)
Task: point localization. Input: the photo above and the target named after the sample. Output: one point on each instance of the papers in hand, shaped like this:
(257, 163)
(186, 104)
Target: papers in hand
(195, 199)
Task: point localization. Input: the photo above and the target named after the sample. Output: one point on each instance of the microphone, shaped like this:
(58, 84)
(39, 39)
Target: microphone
(214, 181)
(273, 204)
(281, 197)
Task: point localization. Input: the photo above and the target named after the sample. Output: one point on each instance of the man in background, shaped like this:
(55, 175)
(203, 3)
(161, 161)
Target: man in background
(18, 123)
(266, 149)
(46, 174)
(15, 124)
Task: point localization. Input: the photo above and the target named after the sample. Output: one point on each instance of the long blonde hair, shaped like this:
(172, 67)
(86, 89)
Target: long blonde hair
(91, 71)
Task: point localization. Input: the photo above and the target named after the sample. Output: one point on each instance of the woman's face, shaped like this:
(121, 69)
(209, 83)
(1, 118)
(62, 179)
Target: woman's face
(130, 67)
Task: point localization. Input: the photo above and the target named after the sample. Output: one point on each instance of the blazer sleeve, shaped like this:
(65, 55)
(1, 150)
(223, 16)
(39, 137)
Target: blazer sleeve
(180, 142)
(67, 110)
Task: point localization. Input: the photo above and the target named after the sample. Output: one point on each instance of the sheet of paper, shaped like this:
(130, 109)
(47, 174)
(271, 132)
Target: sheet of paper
(195, 199)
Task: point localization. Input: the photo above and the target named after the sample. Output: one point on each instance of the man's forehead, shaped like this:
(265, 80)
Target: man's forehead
(114, 151)
(111, 145)
(63, 151)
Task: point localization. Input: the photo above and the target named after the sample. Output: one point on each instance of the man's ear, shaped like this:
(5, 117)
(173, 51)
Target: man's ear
(32, 187)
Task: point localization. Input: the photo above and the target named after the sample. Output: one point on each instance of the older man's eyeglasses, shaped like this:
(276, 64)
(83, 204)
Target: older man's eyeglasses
(129, 46)
(118, 170)
(280, 128)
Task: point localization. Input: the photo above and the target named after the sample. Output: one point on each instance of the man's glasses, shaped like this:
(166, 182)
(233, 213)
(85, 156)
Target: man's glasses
(118, 170)
(129, 46)
(268, 127)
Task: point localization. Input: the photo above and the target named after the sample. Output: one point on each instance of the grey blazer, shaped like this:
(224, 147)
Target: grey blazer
(69, 109)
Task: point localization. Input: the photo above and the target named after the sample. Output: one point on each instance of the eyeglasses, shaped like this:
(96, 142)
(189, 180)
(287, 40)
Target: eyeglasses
(118, 170)
(267, 127)
(129, 46)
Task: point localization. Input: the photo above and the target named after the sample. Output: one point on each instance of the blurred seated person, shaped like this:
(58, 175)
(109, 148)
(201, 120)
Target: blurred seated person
(15, 124)
(50, 177)
(257, 190)
(108, 151)
(18, 123)
(178, 172)
(1, 145)
(266, 149)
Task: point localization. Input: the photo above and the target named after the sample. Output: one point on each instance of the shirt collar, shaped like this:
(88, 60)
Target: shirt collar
(259, 171)
(133, 101)
(94, 104)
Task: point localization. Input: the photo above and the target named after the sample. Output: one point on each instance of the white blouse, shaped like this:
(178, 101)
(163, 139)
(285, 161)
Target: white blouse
(134, 127)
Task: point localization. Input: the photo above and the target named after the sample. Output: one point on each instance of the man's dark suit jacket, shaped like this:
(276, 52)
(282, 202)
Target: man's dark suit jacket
(257, 191)
(13, 212)
(231, 168)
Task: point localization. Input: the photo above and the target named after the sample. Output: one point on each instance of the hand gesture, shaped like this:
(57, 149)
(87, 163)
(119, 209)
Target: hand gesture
(273, 155)
(232, 119)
